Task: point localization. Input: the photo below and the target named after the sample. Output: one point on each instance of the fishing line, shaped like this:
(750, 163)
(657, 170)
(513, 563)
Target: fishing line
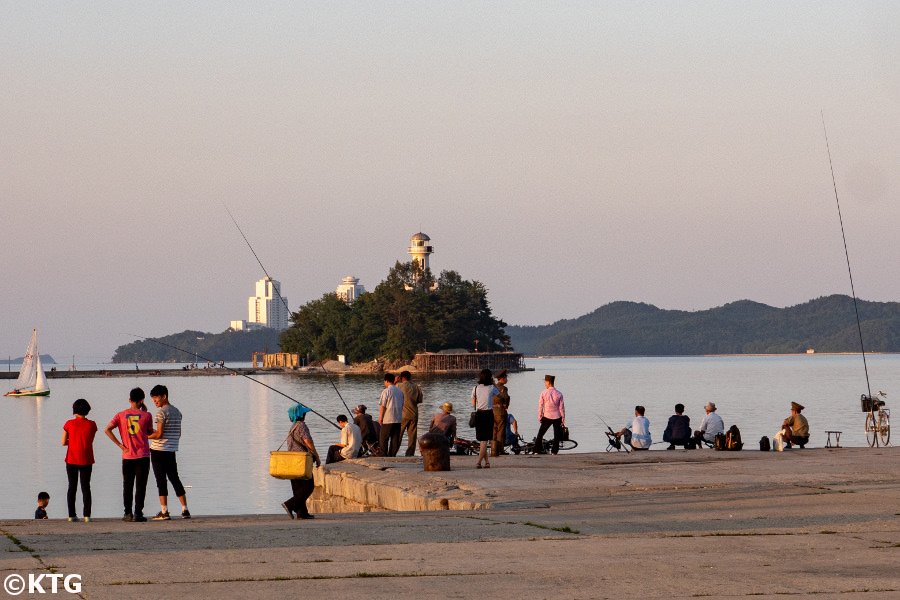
(283, 301)
(847, 255)
(236, 372)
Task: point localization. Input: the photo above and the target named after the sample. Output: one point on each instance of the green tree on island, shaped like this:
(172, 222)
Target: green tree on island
(405, 314)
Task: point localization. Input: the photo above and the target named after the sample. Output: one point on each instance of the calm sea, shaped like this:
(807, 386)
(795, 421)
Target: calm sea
(231, 423)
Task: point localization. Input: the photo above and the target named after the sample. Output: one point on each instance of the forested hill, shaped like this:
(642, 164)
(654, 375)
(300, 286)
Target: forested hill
(826, 324)
(230, 346)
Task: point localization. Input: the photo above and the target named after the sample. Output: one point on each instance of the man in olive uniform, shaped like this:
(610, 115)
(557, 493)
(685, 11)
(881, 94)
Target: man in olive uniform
(412, 398)
(501, 405)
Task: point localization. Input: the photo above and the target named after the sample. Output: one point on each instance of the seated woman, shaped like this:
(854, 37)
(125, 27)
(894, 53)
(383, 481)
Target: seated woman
(678, 430)
(795, 429)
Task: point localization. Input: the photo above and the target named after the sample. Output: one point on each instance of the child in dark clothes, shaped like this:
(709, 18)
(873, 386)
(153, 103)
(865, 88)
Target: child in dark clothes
(43, 501)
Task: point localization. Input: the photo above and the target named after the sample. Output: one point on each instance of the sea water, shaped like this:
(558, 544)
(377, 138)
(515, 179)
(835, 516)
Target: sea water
(231, 423)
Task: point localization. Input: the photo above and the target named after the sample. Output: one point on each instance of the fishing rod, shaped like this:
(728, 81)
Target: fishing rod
(236, 372)
(283, 301)
(610, 429)
(847, 255)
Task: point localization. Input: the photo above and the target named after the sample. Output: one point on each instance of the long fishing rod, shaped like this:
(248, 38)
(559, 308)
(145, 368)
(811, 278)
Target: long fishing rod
(847, 255)
(283, 301)
(236, 372)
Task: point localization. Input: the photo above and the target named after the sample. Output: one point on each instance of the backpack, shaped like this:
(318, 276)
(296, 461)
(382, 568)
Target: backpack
(733, 439)
(719, 441)
(764, 444)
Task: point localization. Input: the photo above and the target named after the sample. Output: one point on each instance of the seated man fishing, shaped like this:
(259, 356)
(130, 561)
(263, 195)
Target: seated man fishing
(638, 434)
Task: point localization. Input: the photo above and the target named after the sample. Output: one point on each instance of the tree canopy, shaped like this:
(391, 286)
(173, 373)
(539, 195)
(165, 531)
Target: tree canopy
(405, 314)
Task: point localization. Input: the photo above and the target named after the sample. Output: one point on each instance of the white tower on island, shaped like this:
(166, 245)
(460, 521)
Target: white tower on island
(420, 249)
(350, 289)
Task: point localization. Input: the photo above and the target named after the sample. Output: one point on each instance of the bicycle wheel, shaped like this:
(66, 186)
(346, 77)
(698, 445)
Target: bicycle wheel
(568, 445)
(884, 428)
(871, 430)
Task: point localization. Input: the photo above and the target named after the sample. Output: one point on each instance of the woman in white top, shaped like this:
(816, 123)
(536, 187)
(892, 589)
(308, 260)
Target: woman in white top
(483, 402)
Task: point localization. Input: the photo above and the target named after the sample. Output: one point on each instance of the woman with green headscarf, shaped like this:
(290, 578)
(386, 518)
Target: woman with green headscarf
(300, 440)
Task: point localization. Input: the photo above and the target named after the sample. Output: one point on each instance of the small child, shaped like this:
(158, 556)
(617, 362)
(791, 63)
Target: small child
(43, 501)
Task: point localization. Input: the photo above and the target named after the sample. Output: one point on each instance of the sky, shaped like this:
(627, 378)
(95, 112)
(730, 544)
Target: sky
(565, 154)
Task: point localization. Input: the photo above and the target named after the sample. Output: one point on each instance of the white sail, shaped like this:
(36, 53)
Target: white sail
(40, 384)
(28, 372)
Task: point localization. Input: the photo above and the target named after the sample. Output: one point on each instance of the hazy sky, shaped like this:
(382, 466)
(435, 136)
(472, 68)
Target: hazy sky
(565, 154)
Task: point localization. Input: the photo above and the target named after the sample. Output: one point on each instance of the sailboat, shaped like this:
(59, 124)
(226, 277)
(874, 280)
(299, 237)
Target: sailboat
(32, 380)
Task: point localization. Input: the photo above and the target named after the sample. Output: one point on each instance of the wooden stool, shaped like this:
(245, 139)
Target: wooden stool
(837, 439)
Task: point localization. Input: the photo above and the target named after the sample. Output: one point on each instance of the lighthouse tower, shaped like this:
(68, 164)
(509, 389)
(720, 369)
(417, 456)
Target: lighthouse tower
(420, 248)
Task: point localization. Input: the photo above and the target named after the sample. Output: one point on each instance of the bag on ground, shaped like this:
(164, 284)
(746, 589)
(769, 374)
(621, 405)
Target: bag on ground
(719, 441)
(733, 439)
(764, 444)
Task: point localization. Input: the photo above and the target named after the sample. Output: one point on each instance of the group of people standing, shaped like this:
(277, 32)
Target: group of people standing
(492, 420)
(145, 441)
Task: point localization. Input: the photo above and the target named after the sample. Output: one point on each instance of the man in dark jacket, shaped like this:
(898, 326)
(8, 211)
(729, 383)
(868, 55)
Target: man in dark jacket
(678, 431)
(367, 427)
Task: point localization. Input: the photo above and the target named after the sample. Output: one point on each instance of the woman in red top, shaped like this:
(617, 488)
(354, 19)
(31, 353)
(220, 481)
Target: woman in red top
(78, 435)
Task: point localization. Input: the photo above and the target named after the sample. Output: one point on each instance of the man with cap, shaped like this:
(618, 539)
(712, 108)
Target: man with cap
(795, 429)
(444, 423)
(710, 427)
(551, 411)
(501, 406)
(368, 429)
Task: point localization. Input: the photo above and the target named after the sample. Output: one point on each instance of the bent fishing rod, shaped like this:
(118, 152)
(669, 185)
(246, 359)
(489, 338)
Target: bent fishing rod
(847, 255)
(236, 372)
(283, 301)
(625, 446)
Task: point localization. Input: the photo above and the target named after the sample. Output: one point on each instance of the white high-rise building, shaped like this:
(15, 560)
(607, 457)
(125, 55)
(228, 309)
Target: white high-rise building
(266, 308)
(350, 289)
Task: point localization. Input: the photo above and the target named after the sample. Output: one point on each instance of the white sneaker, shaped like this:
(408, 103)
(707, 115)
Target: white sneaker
(87, 519)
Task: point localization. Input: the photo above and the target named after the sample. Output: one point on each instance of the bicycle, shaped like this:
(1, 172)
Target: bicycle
(466, 447)
(528, 447)
(878, 420)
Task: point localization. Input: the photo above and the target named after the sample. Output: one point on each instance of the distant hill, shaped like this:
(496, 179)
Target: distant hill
(46, 359)
(826, 324)
(230, 346)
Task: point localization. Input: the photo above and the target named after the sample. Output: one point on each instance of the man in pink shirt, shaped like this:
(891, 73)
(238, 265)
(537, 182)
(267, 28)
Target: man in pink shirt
(135, 425)
(551, 411)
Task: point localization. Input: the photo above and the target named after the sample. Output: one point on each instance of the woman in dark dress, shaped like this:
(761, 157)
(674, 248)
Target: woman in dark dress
(483, 402)
(300, 440)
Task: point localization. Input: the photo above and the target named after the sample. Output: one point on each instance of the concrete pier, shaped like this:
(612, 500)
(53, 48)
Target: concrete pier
(678, 524)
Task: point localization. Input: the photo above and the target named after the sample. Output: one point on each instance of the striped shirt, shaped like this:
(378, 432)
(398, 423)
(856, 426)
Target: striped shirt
(169, 419)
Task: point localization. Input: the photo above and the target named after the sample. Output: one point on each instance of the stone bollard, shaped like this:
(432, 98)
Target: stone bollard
(435, 450)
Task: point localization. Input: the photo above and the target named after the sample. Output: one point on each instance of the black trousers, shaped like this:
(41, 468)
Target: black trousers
(390, 432)
(165, 466)
(303, 489)
(334, 454)
(135, 472)
(557, 435)
(74, 473)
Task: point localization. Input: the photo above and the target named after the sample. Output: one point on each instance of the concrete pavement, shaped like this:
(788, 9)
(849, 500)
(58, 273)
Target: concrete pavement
(654, 525)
